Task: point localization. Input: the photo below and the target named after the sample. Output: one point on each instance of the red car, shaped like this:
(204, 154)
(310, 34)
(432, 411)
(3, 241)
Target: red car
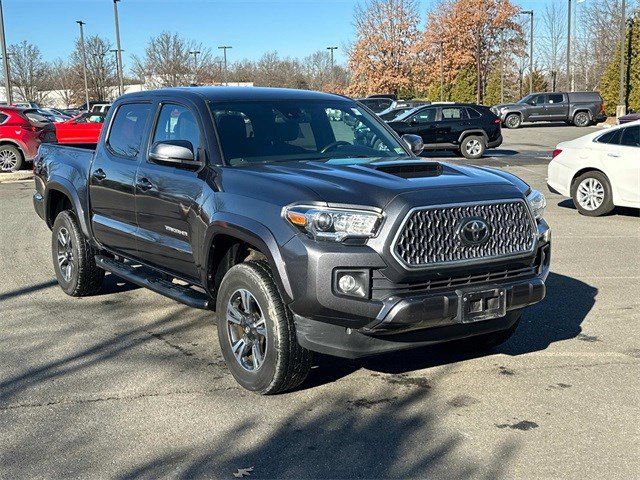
(81, 130)
(20, 136)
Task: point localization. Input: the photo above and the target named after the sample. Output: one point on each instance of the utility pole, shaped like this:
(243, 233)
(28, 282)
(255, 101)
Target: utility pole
(478, 72)
(501, 65)
(5, 60)
(622, 105)
(119, 49)
(530, 12)
(224, 48)
(84, 62)
(442, 71)
(569, 45)
(195, 64)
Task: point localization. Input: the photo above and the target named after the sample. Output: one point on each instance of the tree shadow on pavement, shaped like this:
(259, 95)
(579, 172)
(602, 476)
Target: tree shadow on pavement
(392, 433)
(558, 317)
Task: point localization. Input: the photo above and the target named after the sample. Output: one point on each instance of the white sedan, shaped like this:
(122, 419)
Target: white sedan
(600, 170)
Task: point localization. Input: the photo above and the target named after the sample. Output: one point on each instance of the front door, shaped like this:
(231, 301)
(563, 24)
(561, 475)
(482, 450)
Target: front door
(537, 109)
(168, 197)
(112, 177)
(627, 168)
(424, 123)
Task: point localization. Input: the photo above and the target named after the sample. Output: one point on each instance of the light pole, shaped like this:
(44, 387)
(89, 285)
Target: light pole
(442, 71)
(622, 106)
(501, 66)
(530, 12)
(84, 62)
(331, 49)
(569, 45)
(5, 60)
(119, 49)
(224, 48)
(195, 64)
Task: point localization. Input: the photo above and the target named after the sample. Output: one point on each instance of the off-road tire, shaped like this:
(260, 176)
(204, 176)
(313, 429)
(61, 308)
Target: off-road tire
(15, 154)
(607, 204)
(286, 363)
(513, 120)
(466, 144)
(86, 277)
(581, 119)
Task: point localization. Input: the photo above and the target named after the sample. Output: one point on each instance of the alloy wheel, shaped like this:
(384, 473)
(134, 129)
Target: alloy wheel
(590, 194)
(474, 147)
(65, 254)
(513, 121)
(247, 329)
(8, 160)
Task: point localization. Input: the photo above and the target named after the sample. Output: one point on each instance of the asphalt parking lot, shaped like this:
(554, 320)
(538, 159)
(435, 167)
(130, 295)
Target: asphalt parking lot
(128, 384)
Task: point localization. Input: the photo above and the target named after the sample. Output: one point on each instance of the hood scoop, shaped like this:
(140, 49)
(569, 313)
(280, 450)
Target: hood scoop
(415, 169)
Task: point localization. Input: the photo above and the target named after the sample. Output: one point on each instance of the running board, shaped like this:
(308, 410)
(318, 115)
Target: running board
(146, 278)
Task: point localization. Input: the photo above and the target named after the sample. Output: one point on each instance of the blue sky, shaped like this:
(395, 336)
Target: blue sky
(293, 28)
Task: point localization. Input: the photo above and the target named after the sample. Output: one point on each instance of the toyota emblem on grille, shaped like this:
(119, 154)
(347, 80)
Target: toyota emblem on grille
(474, 231)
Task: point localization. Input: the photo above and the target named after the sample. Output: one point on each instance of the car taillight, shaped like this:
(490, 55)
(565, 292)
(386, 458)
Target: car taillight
(497, 121)
(31, 128)
(556, 152)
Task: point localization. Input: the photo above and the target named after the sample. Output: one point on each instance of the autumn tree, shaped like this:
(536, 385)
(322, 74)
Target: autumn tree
(29, 72)
(381, 57)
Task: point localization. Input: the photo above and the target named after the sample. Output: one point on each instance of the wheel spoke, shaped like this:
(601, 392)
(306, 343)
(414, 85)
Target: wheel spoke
(233, 314)
(246, 297)
(239, 349)
(256, 355)
(62, 239)
(261, 326)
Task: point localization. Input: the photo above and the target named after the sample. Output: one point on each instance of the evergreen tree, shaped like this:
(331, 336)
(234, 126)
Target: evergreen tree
(492, 90)
(464, 87)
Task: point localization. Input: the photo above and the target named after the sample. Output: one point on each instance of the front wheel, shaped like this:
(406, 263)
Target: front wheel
(74, 258)
(591, 194)
(472, 147)
(513, 120)
(257, 333)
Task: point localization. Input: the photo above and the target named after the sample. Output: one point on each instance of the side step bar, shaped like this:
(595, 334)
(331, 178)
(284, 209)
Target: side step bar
(146, 278)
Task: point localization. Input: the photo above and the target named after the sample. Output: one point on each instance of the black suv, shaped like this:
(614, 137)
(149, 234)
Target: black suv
(467, 129)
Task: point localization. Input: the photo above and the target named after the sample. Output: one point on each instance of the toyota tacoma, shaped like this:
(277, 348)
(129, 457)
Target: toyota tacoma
(301, 219)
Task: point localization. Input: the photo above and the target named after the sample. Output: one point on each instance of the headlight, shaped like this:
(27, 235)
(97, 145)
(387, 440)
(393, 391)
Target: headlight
(537, 202)
(333, 224)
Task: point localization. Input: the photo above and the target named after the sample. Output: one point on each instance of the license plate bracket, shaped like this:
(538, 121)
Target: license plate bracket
(478, 305)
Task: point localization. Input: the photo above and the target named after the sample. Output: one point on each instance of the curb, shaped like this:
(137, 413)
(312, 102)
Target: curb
(15, 177)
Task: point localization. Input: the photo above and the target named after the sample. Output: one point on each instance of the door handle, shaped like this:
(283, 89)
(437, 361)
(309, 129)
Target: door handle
(99, 175)
(144, 184)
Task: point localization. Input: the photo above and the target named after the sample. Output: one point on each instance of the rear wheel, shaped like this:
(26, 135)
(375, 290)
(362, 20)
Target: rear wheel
(74, 258)
(581, 119)
(11, 159)
(472, 146)
(591, 194)
(257, 333)
(513, 120)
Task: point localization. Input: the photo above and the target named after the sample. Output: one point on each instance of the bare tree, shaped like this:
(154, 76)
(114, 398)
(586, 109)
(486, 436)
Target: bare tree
(61, 80)
(29, 72)
(101, 70)
(553, 39)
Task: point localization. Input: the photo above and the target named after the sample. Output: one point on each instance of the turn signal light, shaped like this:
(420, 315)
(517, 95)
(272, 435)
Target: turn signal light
(556, 152)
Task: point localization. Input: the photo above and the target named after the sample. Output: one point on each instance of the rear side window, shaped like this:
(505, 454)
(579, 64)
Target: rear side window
(453, 113)
(612, 137)
(555, 98)
(630, 137)
(127, 129)
(473, 113)
(3, 117)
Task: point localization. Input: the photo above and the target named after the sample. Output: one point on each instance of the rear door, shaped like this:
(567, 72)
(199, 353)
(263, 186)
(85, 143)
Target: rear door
(168, 196)
(627, 165)
(112, 177)
(453, 122)
(557, 107)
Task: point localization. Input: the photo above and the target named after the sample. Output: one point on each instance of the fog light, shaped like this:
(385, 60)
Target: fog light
(347, 283)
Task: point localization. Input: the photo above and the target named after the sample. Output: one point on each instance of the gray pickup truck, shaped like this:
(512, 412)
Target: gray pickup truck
(578, 108)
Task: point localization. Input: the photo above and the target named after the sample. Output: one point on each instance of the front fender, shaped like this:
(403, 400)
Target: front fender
(256, 235)
(61, 184)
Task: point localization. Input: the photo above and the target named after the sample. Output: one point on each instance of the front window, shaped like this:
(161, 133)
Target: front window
(280, 131)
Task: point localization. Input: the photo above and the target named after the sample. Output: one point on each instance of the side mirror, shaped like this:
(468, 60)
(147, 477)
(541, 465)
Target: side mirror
(175, 152)
(414, 142)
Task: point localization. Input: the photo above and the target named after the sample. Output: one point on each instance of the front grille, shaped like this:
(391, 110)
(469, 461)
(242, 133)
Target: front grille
(431, 237)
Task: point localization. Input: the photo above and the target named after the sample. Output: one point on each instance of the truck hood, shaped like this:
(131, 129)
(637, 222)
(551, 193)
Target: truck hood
(510, 106)
(371, 182)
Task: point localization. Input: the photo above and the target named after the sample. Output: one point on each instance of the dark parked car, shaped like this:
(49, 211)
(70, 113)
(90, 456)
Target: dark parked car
(301, 232)
(629, 117)
(468, 129)
(579, 108)
(377, 104)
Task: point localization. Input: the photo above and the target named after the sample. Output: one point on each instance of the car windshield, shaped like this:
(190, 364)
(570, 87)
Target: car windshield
(279, 131)
(525, 99)
(406, 114)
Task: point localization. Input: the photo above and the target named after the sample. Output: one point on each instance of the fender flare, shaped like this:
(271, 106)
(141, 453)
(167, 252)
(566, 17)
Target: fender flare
(474, 131)
(63, 185)
(256, 235)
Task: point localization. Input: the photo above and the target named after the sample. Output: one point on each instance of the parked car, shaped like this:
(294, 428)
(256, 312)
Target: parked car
(72, 112)
(398, 109)
(83, 129)
(26, 105)
(629, 117)
(600, 170)
(20, 136)
(301, 233)
(57, 115)
(579, 108)
(467, 129)
(377, 104)
(101, 108)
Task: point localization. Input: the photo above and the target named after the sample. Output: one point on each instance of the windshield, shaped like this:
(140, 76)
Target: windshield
(280, 131)
(525, 99)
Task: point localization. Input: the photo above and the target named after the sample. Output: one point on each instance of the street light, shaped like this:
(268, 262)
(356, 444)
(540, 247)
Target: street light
(195, 64)
(5, 59)
(569, 46)
(442, 71)
(530, 12)
(622, 106)
(224, 48)
(84, 61)
(119, 49)
(331, 49)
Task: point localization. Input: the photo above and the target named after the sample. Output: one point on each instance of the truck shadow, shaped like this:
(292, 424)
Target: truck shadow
(558, 317)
